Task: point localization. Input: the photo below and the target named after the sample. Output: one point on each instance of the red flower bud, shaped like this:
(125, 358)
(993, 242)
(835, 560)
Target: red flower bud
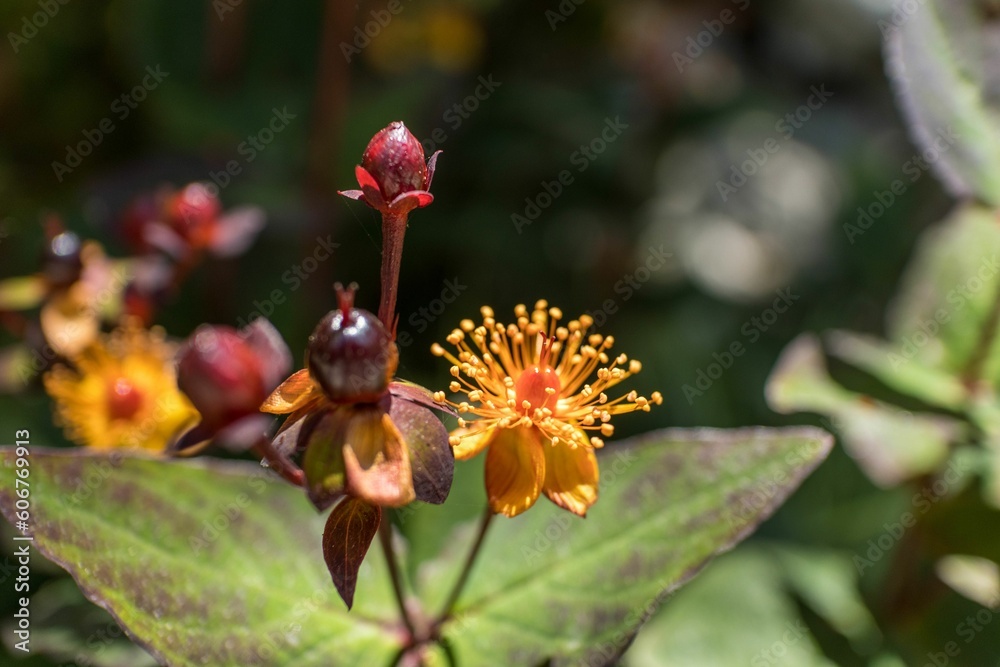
(395, 159)
(193, 213)
(393, 175)
(227, 374)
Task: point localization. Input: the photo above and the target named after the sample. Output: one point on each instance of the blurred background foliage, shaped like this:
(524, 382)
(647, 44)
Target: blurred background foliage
(560, 72)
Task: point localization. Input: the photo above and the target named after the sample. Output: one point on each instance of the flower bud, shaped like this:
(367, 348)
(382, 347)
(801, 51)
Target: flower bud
(227, 374)
(395, 159)
(192, 213)
(219, 372)
(393, 176)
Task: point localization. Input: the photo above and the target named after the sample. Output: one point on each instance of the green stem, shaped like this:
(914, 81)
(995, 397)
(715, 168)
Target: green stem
(470, 560)
(385, 537)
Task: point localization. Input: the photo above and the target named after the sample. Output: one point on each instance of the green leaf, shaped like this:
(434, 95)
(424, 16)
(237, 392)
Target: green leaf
(323, 462)
(889, 443)
(708, 622)
(827, 581)
(201, 562)
(883, 361)
(551, 586)
(942, 62)
(944, 317)
(976, 578)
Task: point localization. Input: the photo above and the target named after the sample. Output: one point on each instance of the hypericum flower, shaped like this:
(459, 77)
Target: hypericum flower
(121, 393)
(360, 434)
(527, 382)
(393, 176)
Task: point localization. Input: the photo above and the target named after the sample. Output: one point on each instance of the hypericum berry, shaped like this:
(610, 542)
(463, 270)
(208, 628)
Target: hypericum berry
(350, 354)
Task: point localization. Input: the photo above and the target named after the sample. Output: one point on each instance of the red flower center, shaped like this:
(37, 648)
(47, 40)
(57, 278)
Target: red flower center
(123, 399)
(533, 386)
(539, 385)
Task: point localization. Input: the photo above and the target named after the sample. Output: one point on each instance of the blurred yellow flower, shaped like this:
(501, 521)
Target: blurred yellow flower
(527, 384)
(121, 392)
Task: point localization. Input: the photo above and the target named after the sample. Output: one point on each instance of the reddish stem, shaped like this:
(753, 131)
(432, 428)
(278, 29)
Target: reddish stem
(393, 230)
(289, 471)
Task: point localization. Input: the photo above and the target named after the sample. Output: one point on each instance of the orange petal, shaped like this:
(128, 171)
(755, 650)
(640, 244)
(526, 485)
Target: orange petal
(293, 394)
(377, 460)
(471, 445)
(515, 469)
(571, 477)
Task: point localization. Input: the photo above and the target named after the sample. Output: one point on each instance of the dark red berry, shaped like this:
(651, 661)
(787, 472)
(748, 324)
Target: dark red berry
(350, 354)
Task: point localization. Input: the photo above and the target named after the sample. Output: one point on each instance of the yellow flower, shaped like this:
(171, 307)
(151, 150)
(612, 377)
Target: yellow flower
(121, 393)
(527, 382)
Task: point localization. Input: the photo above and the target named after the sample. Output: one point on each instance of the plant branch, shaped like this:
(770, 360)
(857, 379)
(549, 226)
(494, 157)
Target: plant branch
(385, 537)
(470, 560)
(393, 230)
